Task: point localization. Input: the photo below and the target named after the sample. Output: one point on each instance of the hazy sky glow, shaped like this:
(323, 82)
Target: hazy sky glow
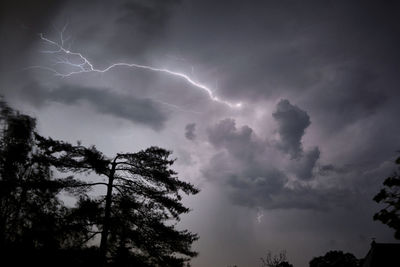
(294, 168)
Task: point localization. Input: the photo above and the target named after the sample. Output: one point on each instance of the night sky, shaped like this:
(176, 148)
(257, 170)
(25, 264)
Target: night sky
(294, 168)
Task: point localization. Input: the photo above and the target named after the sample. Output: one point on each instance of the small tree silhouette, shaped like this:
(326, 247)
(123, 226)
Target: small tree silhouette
(390, 195)
(275, 260)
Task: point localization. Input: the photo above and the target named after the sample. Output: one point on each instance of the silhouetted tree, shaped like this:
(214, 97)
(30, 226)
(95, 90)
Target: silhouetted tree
(27, 205)
(138, 210)
(275, 260)
(136, 218)
(335, 259)
(33, 221)
(390, 196)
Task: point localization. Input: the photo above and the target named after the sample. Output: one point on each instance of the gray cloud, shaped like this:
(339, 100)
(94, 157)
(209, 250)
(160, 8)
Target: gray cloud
(147, 16)
(20, 21)
(292, 123)
(190, 131)
(240, 143)
(138, 110)
(303, 167)
(351, 93)
(247, 183)
(242, 164)
(145, 21)
(254, 172)
(327, 169)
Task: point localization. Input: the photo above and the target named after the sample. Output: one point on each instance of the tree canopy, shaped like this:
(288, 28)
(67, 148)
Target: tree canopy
(141, 201)
(134, 222)
(29, 208)
(335, 259)
(275, 260)
(390, 196)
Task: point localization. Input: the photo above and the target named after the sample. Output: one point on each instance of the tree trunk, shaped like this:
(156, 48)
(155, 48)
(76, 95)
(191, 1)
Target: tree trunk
(107, 215)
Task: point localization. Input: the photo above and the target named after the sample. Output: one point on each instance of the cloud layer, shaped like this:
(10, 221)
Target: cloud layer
(137, 110)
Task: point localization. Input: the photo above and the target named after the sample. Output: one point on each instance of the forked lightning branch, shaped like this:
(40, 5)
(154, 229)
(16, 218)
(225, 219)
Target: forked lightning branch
(80, 64)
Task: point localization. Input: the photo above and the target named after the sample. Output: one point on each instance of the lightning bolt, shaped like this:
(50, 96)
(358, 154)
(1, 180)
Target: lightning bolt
(82, 65)
(259, 216)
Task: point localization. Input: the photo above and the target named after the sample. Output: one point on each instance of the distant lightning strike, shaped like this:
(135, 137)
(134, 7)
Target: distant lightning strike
(85, 66)
(259, 216)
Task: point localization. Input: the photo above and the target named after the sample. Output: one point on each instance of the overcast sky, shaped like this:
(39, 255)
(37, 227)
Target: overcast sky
(294, 168)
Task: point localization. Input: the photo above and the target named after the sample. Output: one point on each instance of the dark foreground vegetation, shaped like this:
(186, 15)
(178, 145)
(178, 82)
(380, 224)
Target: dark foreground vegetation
(131, 224)
(332, 258)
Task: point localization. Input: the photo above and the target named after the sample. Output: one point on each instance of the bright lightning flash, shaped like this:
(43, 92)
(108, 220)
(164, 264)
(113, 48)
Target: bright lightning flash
(260, 214)
(79, 62)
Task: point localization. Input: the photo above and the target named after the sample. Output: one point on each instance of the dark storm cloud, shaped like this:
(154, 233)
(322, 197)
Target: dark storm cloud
(242, 164)
(338, 57)
(240, 143)
(28, 15)
(303, 167)
(328, 169)
(259, 184)
(147, 16)
(190, 131)
(292, 122)
(256, 174)
(142, 25)
(248, 183)
(20, 21)
(137, 110)
(350, 94)
(256, 187)
(252, 172)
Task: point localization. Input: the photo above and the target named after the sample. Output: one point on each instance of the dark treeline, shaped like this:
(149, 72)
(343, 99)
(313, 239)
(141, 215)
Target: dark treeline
(132, 224)
(334, 258)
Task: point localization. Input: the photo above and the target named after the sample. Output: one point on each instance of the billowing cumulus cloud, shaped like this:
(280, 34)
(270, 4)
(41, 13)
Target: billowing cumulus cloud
(303, 167)
(257, 172)
(241, 143)
(292, 123)
(243, 164)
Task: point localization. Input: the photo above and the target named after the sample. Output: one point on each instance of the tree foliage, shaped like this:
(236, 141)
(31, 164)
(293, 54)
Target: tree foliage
(33, 220)
(28, 204)
(335, 259)
(390, 196)
(142, 201)
(135, 220)
(275, 260)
